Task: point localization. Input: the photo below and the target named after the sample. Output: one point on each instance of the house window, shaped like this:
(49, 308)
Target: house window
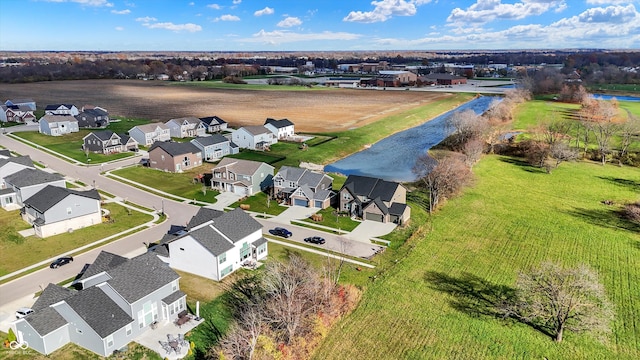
(174, 285)
(129, 329)
(68, 211)
(162, 157)
(346, 206)
(226, 271)
(245, 251)
(222, 258)
(109, 341)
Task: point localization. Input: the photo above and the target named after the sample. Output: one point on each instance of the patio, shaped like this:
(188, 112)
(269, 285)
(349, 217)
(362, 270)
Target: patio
(169, 334)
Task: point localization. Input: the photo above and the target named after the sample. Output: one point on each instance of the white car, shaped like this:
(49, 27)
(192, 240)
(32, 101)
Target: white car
(22, 312)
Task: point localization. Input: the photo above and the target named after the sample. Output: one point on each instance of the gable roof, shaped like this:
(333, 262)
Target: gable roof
(99, 311)
(212, 120)
(151, 127)
(53, 119)
(202, 216)
(282, 123)
(30, 176)
(45, 320)
(191, 121)
(140, 276)
(371, 187)
(211, 239)
(46, 198)
(256, 129)
(210, 140)
(236, 224)
(22, 160)
(302, 176)
(124, 138)
(57, 106)
(175, 148)
(50, 295)
(95, 112)
(18, 101)
(104, 262)
(5, 152)
(239, 166)
(103, 135)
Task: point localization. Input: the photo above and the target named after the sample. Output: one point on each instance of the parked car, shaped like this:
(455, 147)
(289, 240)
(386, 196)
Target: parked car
(315, 240)
(279, 231)
(61, 261)
(22, 312)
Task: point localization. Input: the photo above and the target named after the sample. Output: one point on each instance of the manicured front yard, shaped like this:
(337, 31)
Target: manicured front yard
(333, 220)
(17, 252)
(258, 203)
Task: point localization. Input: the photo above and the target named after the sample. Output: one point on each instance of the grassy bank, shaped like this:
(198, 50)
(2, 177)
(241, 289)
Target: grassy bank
(431, 304)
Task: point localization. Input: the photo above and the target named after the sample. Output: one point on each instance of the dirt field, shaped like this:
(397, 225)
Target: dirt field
(311, 111)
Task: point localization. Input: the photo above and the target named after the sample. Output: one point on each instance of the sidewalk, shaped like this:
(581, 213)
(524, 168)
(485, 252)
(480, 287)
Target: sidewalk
(323, 253)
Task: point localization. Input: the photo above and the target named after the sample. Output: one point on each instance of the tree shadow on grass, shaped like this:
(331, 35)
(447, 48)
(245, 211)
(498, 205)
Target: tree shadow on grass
(478, 297)
(606, 218)
(525, 166)
(629, 184)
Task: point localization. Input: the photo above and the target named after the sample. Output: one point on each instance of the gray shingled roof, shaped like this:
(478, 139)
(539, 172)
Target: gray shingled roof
(397, 208)
(173, 297)
(105, 261)
(29, 177)
(103, 134)
(50, 295)
(212, 120)
(371, 187)
(56, 106)
(259, 242)
(50, 195)
(175, 148)
(240, 166)
(22, 160)
(6, 191)
(5, 152)
(45, 320)
(102, 314)
(236, 224)
(210, 140)
(141, 276)
(256, 129)
(151, 127)
(202, 216)
(208, 237)
(278, 124)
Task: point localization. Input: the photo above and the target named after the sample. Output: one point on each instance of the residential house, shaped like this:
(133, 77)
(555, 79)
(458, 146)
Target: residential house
(254, 137)
(217, 247)
(107, 142)
(374, 199)
(27, 182)
(147, 134)
(58, 125)
(93, 118)
(61, 109)
(26, 102)
(186, 127)
(10, 165)
(120, 299)
(215, 147)
(282, 129)
(243, 177)
(214, 124)
(56, 210)
(303, 187)
(16, 113)
(174, 156)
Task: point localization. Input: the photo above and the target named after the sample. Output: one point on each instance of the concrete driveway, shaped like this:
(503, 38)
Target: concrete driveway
(224, 199)
(294, 213)
(370, 229)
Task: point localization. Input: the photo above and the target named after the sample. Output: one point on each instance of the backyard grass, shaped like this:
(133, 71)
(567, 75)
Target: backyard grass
(260, 156)
(431, 304)
(531, 113)
(33, 249)
(178, 184)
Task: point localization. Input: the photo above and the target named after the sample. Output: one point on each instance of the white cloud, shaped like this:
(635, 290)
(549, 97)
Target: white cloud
(266, 11)
(121, 12)
(214, 6)
(608, 2)
(484, 11)
(290, 22)
(119, 28)
(227, 17)
(285, 36)
(236, 2)
(386, 9)
(96, 3)
(146, 19)
(174, 27)
(191, 3)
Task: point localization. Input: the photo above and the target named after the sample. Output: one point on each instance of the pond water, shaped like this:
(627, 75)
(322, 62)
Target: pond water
(619, 98)
(393, 158)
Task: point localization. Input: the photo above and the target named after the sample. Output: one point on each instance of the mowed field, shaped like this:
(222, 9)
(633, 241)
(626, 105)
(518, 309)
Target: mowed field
(437, 302)
(323, 110)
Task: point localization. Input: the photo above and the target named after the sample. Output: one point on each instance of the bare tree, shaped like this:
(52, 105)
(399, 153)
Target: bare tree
(629, 133)
(536, 152)
(443, 178)
(473, 150)
(466, 125)
(599, 117)
(560, 151)
(556, 299)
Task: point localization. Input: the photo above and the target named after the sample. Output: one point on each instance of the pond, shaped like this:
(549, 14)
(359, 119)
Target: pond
(619, 98)
(393, 158)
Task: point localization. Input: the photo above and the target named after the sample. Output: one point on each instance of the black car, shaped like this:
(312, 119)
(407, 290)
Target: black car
(315, 240)
(280, 232)
(61, 261)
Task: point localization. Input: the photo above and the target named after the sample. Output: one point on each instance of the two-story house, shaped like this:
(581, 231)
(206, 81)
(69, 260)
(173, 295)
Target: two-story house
(8, 166)
(120, 300)
(215, 147)
(254, 137)
(282, 129)
(93, 118)
(16, 113)
(28, 181)
(174, 156)
(374, 199)
(61, 109)
(107, 142)
(303, 187)
(217, 247)
(56, 210)
(30, 103)
(214, 124)
(186, 127)
(58, 125)
(243, 177)
(147, 134)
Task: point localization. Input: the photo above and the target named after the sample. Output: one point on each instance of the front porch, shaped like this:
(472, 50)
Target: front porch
(158, 337)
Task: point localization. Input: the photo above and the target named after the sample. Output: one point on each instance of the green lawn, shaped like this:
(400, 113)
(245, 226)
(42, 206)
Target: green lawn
(260, 156)
(330, 219)
(431, 304)
(17, 252)
(531, 113)
(179, 184)
(258, 203)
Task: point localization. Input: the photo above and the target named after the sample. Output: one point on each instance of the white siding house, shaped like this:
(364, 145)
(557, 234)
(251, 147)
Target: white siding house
(58, 125)
(254, 137)
(147, 134)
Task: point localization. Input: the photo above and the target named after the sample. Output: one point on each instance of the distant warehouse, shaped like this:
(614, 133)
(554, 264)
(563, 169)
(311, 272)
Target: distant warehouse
(443, 79)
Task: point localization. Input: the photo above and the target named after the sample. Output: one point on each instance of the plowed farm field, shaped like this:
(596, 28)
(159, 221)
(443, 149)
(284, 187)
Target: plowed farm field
(324, 110)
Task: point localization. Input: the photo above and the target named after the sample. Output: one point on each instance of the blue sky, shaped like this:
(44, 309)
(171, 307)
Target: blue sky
(283, 25)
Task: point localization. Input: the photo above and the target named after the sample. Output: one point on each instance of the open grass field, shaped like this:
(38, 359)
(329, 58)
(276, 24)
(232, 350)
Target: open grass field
(431, 304)
(17, 252)
(310, 110)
